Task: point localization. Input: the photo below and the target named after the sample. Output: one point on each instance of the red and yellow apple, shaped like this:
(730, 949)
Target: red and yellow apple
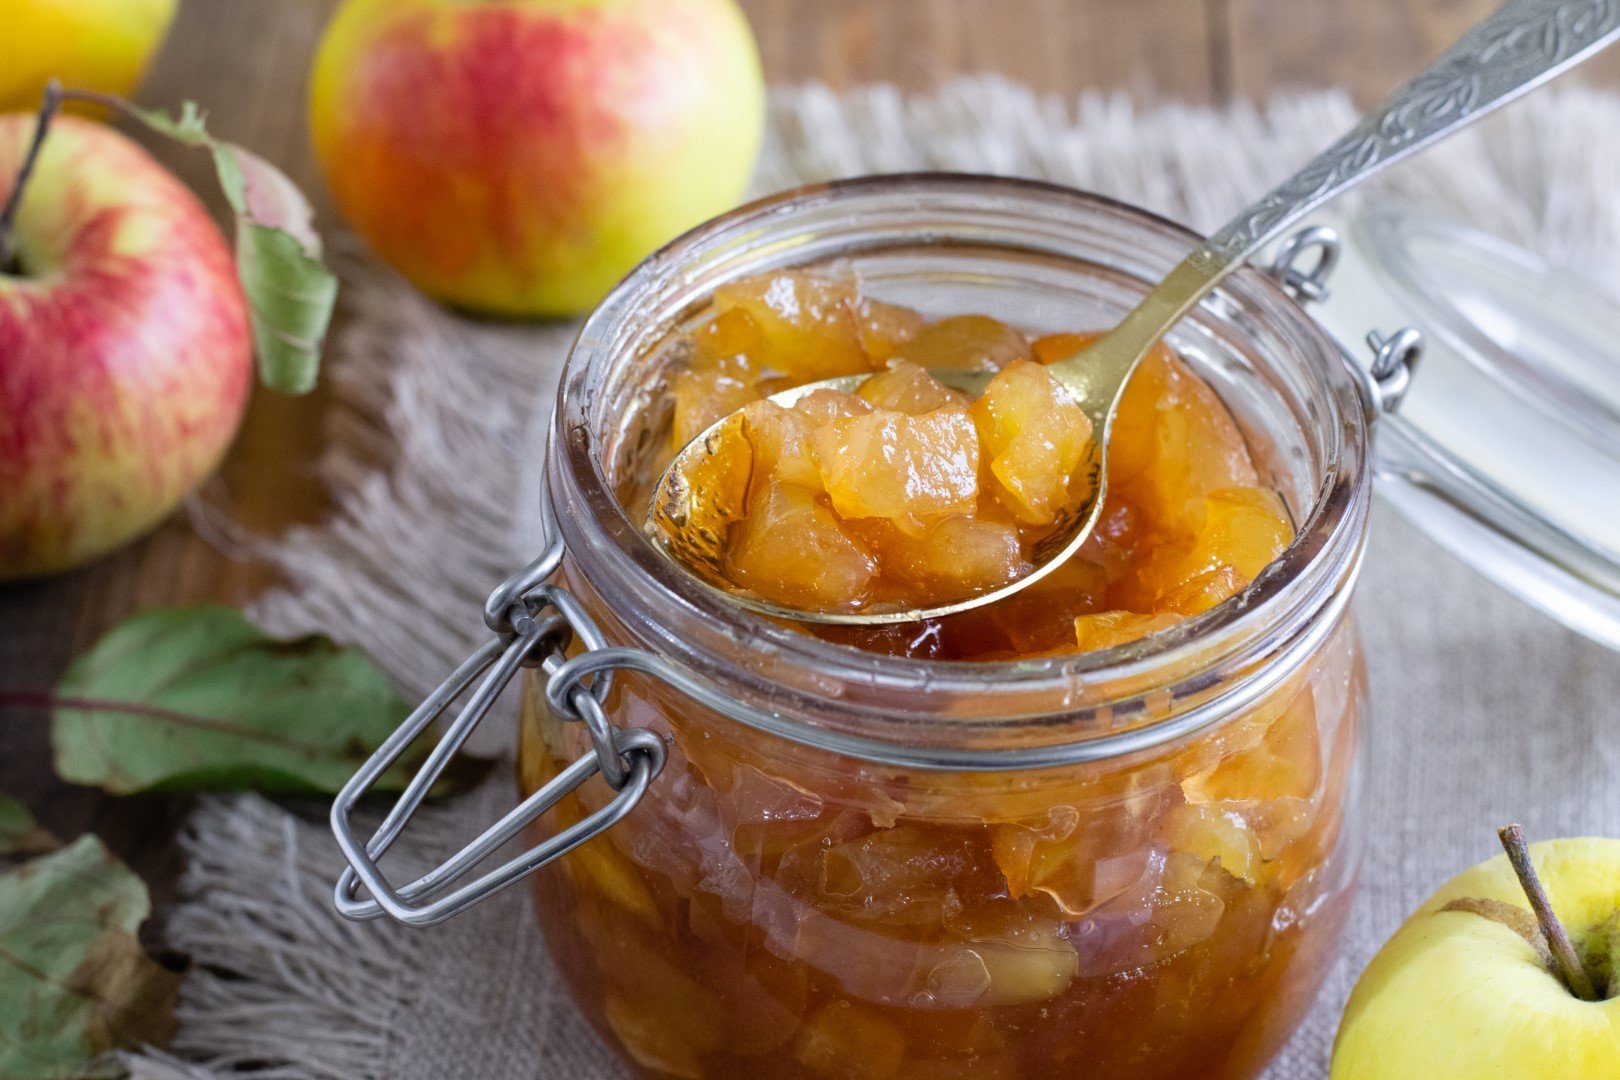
(125, 349)
(1466, 989)
(519, 156)
(89, 44)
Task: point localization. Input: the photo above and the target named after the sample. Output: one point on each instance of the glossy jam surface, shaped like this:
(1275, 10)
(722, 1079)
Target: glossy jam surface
(907, 492)
(774, 910)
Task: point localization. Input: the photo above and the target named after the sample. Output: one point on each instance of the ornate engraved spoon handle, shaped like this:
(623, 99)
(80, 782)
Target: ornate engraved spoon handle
(1517, 48)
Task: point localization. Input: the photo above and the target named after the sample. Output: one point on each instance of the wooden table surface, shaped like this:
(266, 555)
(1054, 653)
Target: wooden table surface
(246, 61)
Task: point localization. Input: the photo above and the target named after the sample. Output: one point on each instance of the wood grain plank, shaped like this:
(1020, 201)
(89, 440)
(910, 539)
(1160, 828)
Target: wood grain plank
(1369, 47)
(1152, 49)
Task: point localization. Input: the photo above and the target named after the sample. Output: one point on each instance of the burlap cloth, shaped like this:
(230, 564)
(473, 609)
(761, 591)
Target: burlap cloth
(1483, 711)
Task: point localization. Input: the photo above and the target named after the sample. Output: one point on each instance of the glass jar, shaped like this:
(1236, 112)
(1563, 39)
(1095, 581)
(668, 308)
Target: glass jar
(1127, 863)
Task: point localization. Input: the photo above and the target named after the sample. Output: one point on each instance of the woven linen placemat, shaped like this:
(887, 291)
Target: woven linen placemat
(1483, 711)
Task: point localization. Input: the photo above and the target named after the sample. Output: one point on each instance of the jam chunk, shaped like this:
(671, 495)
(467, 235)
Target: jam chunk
(883, 329)
(975, 342)
(1231, 535)
(807, 328)
(702, 397)
(905, 387)
(792, 549)
(1173, 441)
(781, 442)
(843, 1041)
(969, 554)
(1106, 629)
(1034, 435)
(908, 470)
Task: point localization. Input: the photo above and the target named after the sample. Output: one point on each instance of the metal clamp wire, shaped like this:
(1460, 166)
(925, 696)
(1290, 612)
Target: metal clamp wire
(517, 589)
(627, 760)
(584, 630)
(601, 732)
(645, 752)
(504, 655)
(1395, 358)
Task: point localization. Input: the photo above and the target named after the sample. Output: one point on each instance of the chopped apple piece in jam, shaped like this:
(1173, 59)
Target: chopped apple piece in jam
(1199, 594)
(1054, 347)
(905, 387)
(843, 1041)
(792, 549)
(825, 406)
(730, 338)
(804, 320)
(963, 554)
(1022, 958)
(705, 396)
(909, 470)
(976, 342)
(781, 441)
(1034, 435)
(1287, 763)
(1217, 833)
(1173, 441)
(884, 328)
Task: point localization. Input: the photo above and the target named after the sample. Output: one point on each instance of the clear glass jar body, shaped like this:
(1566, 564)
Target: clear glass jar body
(1131, 863)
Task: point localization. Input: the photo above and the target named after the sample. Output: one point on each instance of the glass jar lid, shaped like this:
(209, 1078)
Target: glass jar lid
(1506, 445)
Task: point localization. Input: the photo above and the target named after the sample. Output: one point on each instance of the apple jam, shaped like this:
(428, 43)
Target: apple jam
(781, 905)
(907, 492)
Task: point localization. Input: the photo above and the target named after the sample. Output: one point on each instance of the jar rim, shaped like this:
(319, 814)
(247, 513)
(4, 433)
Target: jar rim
(1307, 586)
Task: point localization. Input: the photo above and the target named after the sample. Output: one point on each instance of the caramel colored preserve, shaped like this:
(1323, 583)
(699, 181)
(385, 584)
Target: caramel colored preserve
(771, 911)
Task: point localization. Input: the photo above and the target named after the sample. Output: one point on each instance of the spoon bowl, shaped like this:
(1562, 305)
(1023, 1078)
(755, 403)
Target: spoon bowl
(690, 514)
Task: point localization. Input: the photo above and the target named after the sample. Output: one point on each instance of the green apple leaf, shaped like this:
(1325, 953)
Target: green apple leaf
(20, 834)
(198, 698)
(74, 979)
(290, 292)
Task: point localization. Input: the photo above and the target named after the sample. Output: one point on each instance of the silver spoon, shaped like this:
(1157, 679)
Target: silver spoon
(1517, 48)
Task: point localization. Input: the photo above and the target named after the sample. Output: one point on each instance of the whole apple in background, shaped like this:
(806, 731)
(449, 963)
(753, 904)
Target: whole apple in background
(520, 156)
(1467, 989)
(94, 44)
(125, 349)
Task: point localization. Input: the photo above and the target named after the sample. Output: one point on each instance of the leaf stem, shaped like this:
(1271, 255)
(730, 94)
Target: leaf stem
(8, 214)
(95, 97)
(1574, 974)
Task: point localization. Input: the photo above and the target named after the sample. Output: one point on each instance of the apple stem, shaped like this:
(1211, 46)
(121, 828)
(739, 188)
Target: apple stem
(8, 213)
(1563, 950)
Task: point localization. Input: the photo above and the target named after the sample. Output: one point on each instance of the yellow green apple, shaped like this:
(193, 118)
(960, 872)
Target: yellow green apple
(89, 44)
(1468, 988)
(519, 156)
(125, 347)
